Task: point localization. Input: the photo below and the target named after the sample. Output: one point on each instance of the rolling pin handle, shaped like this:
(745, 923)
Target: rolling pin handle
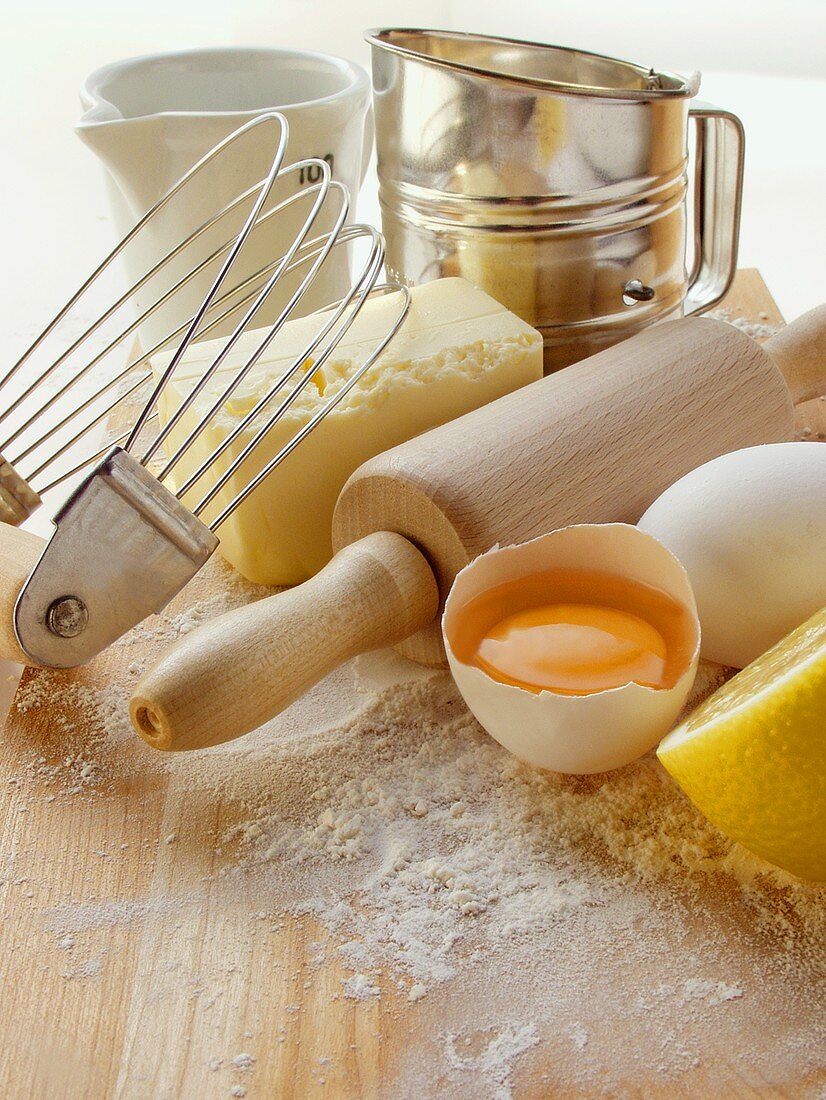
(799, 350)
(237, 671)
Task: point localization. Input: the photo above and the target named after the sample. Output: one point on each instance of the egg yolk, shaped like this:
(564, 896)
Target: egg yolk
(575, 632)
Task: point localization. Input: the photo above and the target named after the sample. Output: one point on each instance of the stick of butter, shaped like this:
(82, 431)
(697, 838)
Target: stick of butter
(457, 350)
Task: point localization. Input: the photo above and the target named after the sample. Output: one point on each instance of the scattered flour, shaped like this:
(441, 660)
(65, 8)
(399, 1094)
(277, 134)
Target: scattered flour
(66, 920)
(360, 988)
(91, 968)
(522, 907)
(491, 1070)
(713, 993)
(579, 1037)
(758, 330)
(531, 884)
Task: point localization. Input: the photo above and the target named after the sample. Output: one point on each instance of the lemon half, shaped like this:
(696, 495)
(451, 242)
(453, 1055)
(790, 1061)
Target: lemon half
(752, 758)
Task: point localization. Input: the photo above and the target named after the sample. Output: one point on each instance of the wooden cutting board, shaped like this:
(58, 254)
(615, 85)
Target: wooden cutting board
(130, 967)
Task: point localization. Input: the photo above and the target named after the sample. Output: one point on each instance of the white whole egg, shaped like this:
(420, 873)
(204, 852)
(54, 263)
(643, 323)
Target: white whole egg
(750, 529)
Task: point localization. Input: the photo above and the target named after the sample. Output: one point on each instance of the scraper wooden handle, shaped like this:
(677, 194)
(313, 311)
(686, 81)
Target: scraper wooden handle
(19, 553)
(231, 675)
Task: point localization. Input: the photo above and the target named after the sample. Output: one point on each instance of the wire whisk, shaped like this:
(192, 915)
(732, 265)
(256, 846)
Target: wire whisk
(124, 542)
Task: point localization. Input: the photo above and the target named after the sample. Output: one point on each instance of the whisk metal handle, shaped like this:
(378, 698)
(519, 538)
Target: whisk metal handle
(19, 553)
(122, 547)
(244, 667)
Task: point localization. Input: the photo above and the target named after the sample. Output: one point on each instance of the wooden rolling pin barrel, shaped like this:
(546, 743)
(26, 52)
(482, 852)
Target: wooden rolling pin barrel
(596, 442)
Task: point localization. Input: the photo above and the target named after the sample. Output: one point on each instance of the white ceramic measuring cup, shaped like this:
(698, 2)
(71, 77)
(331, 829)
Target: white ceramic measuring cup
(149, 119)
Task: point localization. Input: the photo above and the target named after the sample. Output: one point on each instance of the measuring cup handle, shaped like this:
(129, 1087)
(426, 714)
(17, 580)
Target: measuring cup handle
(718, 197)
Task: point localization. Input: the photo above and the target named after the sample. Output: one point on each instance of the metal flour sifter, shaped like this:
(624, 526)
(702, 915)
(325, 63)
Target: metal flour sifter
(123, 543)
(555, 179)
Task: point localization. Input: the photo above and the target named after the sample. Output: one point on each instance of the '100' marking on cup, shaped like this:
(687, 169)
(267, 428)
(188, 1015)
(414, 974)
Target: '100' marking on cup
(311, 173)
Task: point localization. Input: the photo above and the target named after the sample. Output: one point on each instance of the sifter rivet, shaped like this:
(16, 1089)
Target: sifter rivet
(67, 617)
(636, 291)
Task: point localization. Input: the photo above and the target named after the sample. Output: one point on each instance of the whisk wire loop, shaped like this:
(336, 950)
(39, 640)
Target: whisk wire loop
(42, 403)
(358, 295)
(323, 189)
(304, 431)
(226, 266)
(165, 341)
(154, 210)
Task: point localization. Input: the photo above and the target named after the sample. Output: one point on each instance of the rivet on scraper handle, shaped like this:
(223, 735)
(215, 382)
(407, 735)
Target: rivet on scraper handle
(595, 443)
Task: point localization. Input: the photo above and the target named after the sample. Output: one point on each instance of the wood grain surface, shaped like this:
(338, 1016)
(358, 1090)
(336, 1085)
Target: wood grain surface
(128, 963)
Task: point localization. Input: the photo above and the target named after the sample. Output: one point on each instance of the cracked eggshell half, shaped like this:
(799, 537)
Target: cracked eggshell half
(578, 734)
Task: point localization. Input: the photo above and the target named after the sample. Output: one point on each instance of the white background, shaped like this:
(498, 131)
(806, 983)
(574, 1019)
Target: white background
(767, 62)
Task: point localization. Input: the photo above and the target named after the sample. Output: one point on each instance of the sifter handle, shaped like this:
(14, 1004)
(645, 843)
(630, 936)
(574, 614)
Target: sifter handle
(718, 198)
(799, 350)
(235, 672)
(19, 553)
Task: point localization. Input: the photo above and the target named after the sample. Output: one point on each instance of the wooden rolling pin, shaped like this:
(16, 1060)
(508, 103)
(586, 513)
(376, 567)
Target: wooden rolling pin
(597, 442)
